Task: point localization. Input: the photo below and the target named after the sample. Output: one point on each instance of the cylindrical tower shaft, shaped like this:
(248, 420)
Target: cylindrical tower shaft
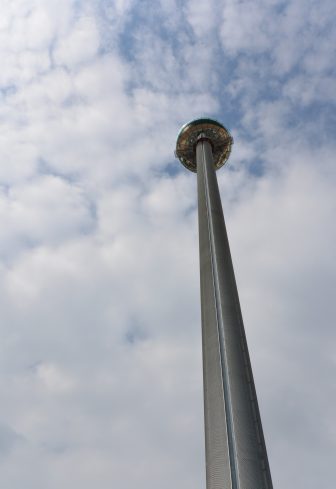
(236, 456)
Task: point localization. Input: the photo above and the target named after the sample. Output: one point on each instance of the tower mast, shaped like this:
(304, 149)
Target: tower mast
(236, 456)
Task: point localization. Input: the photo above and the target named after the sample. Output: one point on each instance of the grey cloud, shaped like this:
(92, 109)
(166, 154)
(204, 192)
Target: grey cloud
(8, 439)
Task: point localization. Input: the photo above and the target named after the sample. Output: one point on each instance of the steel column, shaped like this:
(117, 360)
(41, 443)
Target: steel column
(236, 456)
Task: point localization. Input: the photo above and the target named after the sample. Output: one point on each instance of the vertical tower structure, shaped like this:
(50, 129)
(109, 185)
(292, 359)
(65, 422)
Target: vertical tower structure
(235, 450)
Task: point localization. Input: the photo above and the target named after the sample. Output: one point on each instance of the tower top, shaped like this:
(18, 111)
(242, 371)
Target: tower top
(210, 129)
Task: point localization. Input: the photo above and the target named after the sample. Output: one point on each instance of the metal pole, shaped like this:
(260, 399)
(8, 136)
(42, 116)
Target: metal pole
(236, 456)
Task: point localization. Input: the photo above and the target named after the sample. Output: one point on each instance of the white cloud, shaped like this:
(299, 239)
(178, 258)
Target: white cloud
(305, 91)
(45, 210)
(80, 45)
(244, 26)
(202, 17)
(54, 379)
(100, 332)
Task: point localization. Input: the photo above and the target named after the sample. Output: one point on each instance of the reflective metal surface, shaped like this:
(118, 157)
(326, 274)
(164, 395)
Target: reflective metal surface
(236, 456)
(220, 138)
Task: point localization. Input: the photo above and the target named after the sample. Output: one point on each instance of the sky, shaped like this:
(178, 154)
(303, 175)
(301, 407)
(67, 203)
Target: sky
(100, 335)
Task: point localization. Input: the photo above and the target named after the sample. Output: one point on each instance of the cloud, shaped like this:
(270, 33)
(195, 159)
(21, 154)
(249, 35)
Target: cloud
(100, 331)
(80, 45)
(8, 439)
(45, 210)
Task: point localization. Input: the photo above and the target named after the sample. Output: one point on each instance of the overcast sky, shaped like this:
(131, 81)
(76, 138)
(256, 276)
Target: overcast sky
(100, 340)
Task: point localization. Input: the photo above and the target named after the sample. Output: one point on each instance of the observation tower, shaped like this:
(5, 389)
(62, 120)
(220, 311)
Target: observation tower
(235, 450)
